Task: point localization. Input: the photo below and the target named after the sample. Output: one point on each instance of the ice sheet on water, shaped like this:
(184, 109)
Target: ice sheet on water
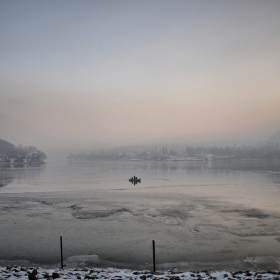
(84, 214)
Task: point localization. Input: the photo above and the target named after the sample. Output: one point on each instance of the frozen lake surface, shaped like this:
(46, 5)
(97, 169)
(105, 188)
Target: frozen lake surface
(202, 215)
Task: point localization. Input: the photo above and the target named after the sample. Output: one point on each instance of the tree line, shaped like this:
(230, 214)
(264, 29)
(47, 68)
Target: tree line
(20, 154)
(268, 151)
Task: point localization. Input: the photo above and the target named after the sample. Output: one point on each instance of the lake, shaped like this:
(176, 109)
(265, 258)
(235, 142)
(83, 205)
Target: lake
(202, 215)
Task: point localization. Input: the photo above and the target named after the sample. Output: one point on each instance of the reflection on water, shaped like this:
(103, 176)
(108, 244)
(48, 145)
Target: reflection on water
(164, 175)
(4, 180)
(18, 172)
(134, 180)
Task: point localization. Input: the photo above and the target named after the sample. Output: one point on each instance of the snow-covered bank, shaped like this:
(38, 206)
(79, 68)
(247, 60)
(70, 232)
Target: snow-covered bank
(29, 273)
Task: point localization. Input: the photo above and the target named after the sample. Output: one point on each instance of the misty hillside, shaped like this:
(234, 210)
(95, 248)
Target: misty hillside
(269, 150)
(28, 154)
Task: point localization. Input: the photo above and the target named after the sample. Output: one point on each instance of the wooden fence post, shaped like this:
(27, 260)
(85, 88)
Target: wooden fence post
(61, 253)
(154, 256)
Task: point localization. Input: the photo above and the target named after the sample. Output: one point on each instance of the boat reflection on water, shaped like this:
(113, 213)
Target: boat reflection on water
(134, 180)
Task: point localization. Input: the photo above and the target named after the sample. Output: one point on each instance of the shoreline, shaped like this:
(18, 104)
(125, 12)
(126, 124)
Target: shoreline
(263, 263)
(35, 273)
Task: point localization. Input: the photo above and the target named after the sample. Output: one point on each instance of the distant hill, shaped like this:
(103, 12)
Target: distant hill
(12, 154)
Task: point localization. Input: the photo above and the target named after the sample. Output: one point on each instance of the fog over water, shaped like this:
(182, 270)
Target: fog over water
(216, 215)
(95, 74)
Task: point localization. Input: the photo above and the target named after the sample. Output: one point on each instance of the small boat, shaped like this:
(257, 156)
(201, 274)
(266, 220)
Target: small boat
(134, 180)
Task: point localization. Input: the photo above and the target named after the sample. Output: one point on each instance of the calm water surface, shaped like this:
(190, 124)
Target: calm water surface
(202, 215)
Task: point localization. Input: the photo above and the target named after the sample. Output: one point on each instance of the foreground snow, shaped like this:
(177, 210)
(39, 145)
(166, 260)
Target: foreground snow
(25, 273)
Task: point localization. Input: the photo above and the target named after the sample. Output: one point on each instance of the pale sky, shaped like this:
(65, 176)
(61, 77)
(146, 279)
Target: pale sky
(124, 72)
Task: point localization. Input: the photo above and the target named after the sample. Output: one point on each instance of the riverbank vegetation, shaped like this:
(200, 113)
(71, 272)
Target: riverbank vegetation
(268, 151)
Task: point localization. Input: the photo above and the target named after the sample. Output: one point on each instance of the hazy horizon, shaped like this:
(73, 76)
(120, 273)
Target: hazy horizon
(85, 74)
